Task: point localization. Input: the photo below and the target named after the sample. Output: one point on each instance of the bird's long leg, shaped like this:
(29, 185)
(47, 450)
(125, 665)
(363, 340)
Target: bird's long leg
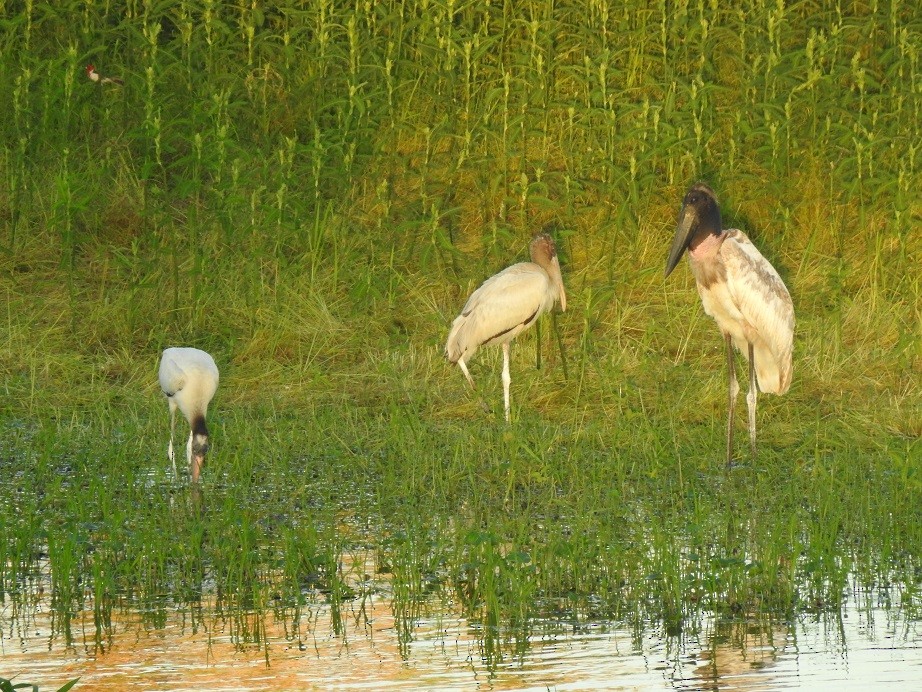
(190, 458)
(734, 389)
(751, 400)
(563, 354)
(466, 373)
(170, 452)
(507, 378)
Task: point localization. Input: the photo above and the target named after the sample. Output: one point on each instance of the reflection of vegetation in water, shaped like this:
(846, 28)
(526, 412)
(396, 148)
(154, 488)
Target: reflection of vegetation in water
(520, 527)
(313, 217)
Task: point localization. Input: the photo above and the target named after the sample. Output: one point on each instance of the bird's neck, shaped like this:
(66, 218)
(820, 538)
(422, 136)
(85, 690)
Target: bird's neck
(198, 425)
(705, 246)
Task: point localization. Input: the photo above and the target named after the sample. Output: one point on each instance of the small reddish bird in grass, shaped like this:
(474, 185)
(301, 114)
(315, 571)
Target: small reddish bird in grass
(96, 77)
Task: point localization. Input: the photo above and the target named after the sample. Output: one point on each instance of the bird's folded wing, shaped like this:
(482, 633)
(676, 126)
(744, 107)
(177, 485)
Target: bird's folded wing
(764, 301)
(505, 301)
(172, 377)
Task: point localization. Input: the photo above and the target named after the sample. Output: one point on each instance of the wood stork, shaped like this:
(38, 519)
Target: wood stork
(741, 290)
(96, 77)
(189, 378)
(505, 305)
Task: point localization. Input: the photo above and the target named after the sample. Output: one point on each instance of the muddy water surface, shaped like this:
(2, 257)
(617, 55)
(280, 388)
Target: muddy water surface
(874, 649)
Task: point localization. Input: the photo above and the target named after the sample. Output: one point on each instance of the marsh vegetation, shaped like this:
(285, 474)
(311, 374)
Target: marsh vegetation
(308, 191)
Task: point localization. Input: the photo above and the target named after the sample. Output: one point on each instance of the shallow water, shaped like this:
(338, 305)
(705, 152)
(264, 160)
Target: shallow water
(643, 586)
(865, 647)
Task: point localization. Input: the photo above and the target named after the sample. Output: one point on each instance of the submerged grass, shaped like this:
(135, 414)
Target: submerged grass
(309, 191)
(538, 522)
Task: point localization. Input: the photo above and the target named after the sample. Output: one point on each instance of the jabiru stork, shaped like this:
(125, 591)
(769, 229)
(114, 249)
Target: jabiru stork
(744, 294)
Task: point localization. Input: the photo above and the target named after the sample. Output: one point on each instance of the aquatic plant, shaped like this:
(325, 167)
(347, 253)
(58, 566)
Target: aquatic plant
(8, 686)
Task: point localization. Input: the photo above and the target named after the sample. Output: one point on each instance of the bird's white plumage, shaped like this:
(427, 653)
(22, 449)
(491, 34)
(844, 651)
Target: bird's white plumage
(753, 305)
(505, 305)
(189, 379)
(502, 308)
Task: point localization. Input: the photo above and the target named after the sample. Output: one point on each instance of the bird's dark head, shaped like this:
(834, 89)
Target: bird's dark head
(544, 253)
(542, 248)
(90, 68)
(199, 444)
(698, 218)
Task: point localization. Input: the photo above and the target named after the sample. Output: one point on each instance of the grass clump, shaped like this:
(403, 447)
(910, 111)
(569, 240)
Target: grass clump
(8, 686)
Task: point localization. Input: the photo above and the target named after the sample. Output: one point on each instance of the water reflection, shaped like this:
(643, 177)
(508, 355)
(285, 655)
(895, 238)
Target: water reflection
(185, 649)
(739, 654)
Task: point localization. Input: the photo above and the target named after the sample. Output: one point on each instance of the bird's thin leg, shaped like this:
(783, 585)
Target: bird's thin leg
(466, 373)
(563, 354)
(170, 452)
(751, 400)
(507, 378)
(190, 459)
(733, 391)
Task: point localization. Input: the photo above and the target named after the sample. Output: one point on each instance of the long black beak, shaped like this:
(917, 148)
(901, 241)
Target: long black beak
(688, 224)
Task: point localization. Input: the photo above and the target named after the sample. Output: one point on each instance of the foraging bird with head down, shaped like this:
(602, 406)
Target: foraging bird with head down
(741, 290)
(505, 305)
(189, 379)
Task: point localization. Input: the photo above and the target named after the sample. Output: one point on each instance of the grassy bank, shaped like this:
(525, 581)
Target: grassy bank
(310, 193)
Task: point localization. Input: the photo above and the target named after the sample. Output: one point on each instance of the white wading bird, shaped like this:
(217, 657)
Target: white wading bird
(741, 290)
(189, 378)
(96, 77)
(505, 305)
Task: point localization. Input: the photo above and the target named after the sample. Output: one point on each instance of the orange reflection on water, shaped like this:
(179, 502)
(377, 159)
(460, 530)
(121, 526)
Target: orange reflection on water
(740, 655)
(446, 653)
(358, 648)
(209, 656)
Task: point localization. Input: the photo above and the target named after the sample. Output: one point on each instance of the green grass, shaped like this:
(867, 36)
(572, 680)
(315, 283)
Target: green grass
(311, 192)
(588, 523)
(8, 686)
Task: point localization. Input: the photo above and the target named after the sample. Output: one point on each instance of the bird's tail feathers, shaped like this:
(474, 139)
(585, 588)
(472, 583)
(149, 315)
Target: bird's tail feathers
(454, 346)
(774, 375)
